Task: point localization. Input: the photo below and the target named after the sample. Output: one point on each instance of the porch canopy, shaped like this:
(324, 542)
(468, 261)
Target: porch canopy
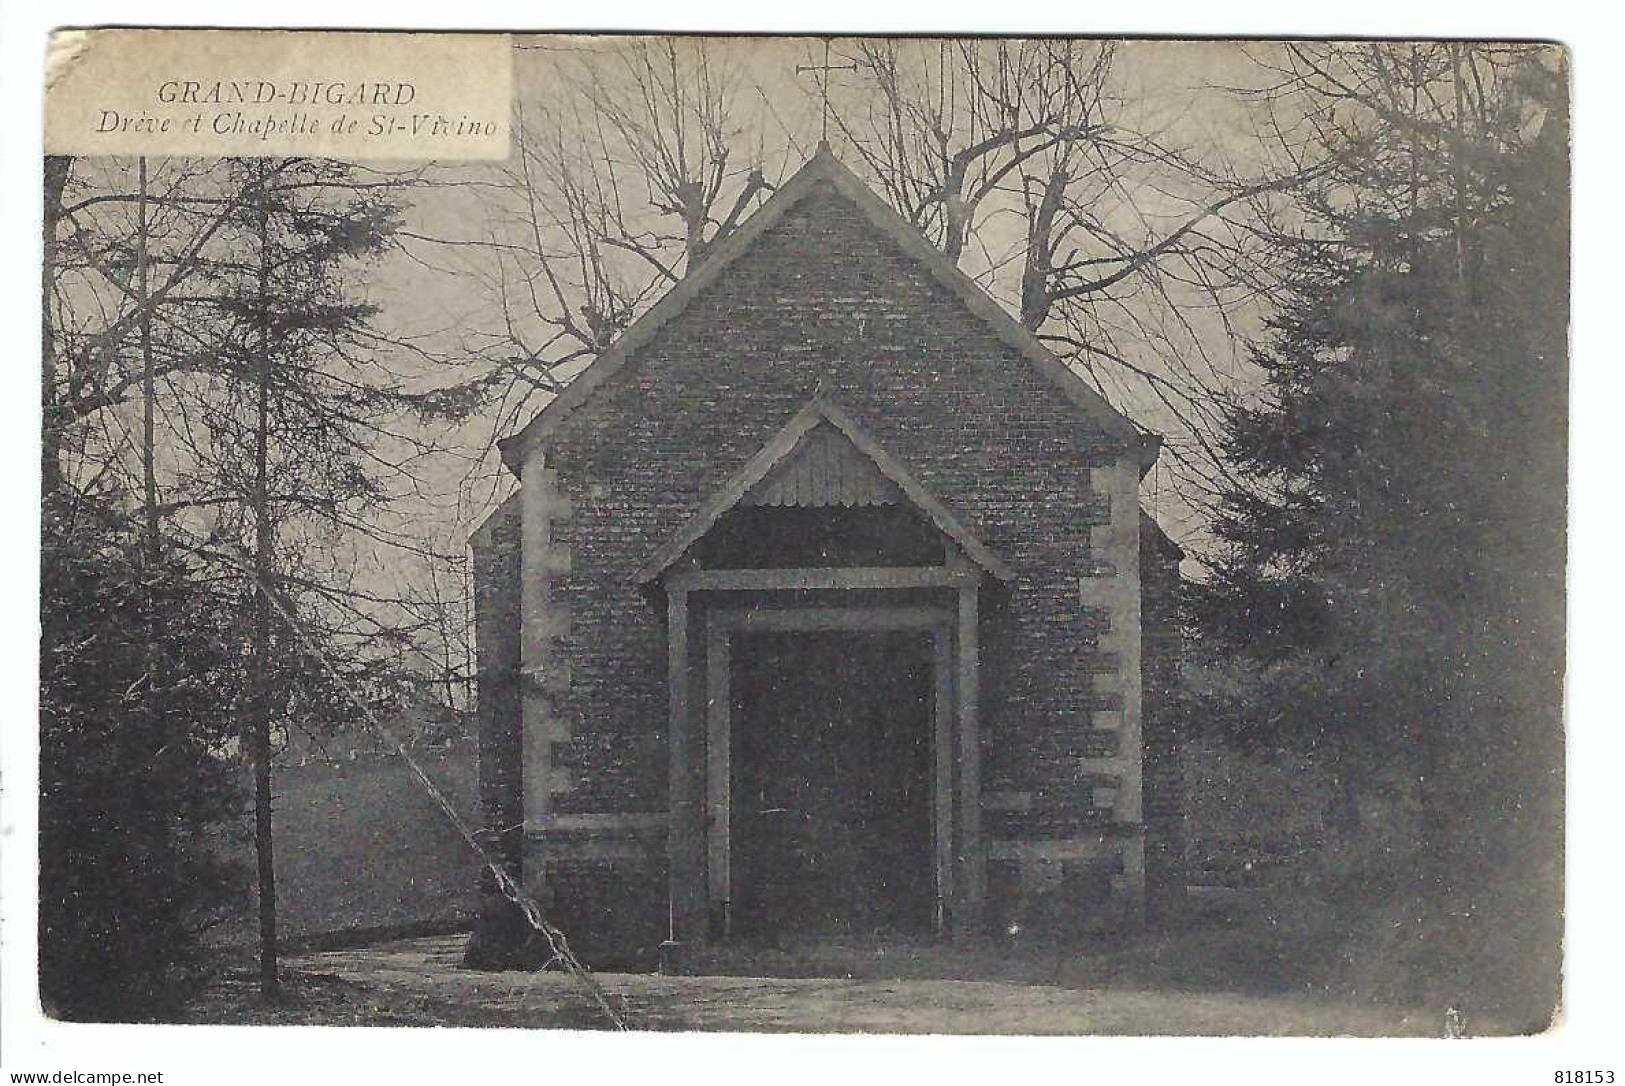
(821, 531)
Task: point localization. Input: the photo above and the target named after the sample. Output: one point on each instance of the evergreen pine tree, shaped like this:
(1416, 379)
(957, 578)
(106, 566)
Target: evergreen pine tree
(1386, 586)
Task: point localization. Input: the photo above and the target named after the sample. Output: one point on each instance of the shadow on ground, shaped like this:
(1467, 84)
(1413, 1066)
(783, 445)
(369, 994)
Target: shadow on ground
(1236, 966)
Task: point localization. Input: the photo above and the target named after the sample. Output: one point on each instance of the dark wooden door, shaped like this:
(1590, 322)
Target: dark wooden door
(831, 797)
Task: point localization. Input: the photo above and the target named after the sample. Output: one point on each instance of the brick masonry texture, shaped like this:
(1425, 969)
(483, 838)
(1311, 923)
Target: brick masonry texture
(496, 625)
(825, 302)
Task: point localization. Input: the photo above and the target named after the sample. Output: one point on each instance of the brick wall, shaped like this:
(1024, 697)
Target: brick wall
(497, 600)
(823, 300)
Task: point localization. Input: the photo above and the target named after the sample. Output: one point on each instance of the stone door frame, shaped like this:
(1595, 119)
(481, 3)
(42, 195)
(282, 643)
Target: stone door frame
(699, 662)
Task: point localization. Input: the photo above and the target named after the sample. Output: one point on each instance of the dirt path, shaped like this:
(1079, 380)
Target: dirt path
(421, 982)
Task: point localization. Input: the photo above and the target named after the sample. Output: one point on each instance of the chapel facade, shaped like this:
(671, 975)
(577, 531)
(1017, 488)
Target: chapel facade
(827, 605)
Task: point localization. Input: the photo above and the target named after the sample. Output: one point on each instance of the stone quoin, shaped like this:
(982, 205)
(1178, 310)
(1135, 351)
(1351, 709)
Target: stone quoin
(827, 605)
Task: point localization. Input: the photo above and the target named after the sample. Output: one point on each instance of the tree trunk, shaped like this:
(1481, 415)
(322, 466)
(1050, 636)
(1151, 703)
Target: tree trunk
(57, 170)
(1035, 276)
(155, 823)
(149, 474)
(261, 721)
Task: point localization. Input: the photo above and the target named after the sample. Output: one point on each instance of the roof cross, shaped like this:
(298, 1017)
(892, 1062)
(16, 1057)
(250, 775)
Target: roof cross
(823, 83)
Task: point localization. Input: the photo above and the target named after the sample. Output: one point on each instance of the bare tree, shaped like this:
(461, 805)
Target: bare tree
(1034, 166)
(618, 188)
(120, 251)
(1128, 248)
(952, 123)
(212, 370)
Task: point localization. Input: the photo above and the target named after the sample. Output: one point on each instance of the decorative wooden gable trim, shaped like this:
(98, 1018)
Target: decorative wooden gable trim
(795, 453)
(825, 469)
(823, 166)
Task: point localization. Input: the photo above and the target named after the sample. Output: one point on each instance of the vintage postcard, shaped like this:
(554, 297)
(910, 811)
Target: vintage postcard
(803, 534)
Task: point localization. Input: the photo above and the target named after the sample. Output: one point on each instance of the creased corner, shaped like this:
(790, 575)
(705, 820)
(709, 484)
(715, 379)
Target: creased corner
(62, 52)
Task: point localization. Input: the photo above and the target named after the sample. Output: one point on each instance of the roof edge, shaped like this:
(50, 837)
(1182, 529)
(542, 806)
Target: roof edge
(1011, 331)
(484, 533)
(823, 165)
(819, 409)
(516, 448)
(1157, 535)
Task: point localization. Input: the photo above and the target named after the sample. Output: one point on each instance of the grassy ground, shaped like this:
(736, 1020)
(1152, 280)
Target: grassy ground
(362, 853)
(1228, 971)
(360, 846)
(1232, 942)
(419, 983)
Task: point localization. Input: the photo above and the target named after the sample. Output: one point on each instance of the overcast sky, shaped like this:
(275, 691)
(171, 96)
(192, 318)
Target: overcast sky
(1173, 88)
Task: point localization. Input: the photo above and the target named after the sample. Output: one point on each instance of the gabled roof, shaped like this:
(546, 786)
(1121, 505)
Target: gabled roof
(1151, 532)
(485, 534)
(823, 166)
(782, 449)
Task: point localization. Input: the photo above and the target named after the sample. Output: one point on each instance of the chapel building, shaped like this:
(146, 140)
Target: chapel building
(827, 605)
